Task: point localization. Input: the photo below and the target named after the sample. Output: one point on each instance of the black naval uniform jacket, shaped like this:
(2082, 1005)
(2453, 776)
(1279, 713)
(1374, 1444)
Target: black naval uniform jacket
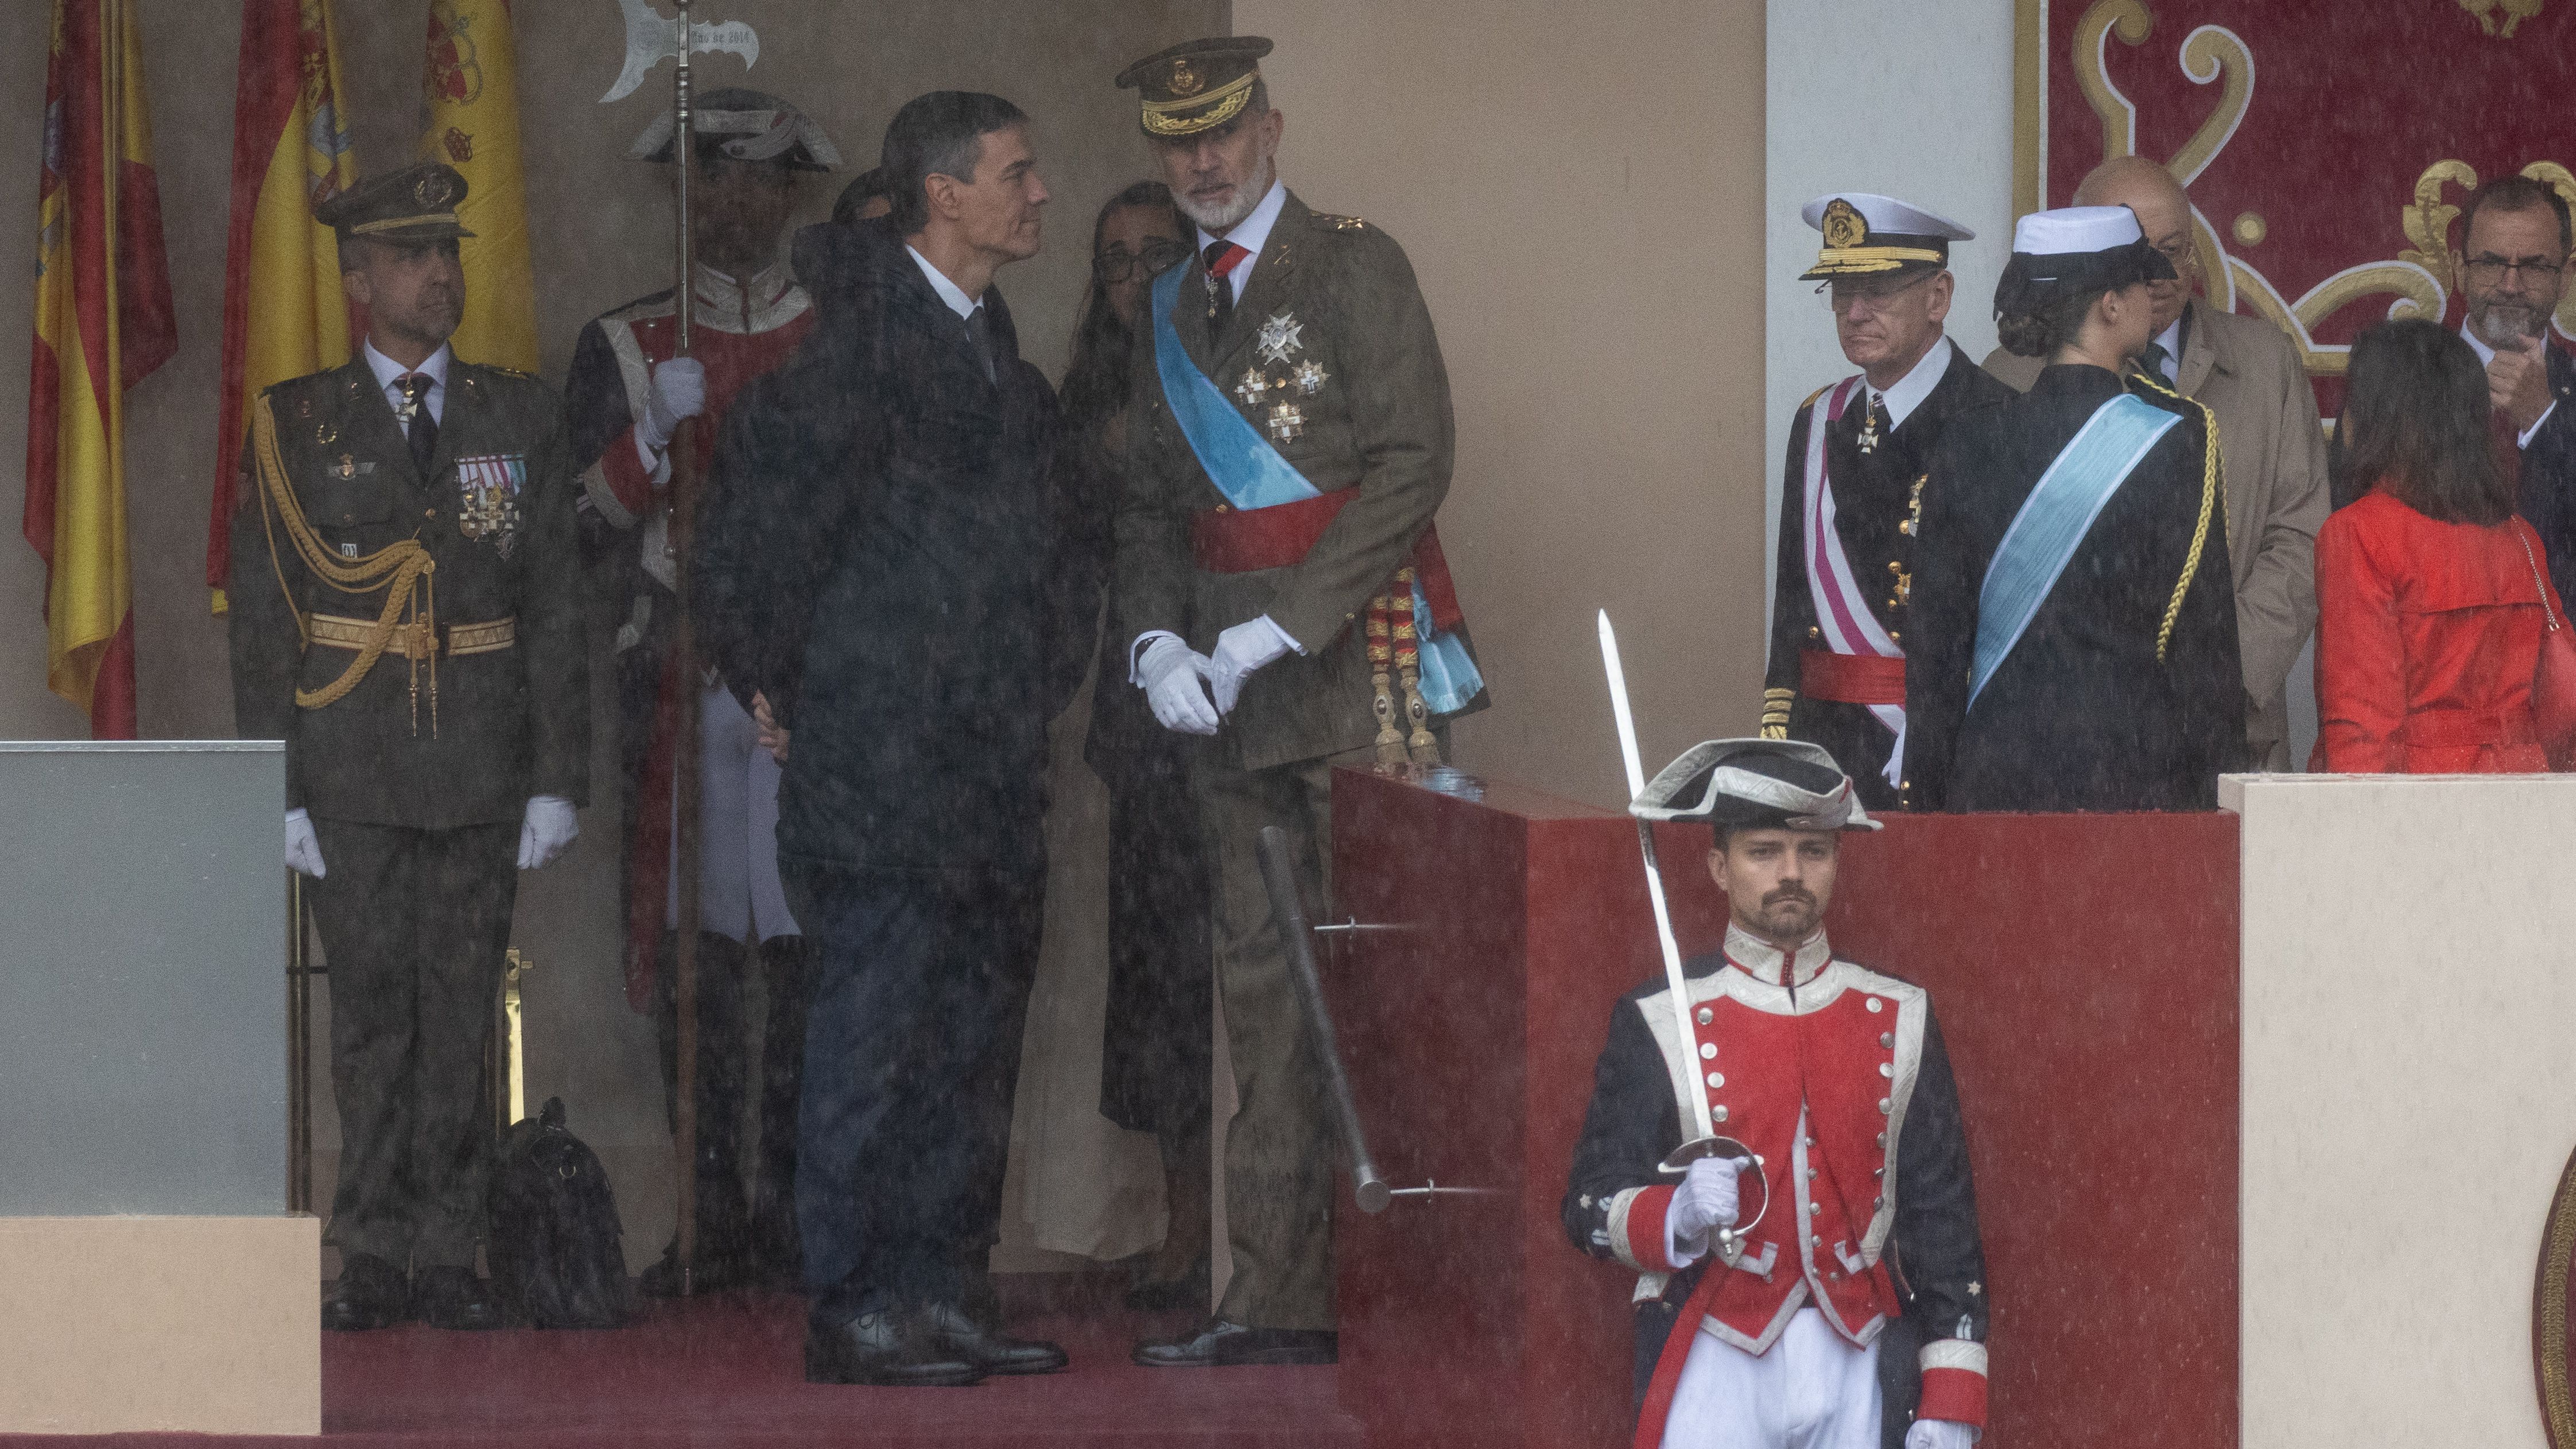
(882, 554)
(1874, 496)
(2081, 715)
(1935, 1251)
(508, 724)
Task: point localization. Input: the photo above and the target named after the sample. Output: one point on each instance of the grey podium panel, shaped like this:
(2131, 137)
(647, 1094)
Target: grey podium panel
(142, 978)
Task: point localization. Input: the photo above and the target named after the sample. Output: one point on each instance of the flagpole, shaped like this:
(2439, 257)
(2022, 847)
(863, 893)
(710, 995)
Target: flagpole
(684, 742)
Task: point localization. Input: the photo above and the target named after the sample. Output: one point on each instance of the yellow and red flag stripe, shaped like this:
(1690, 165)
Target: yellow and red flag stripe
(471, 93)
(284, 314)
(103, 322)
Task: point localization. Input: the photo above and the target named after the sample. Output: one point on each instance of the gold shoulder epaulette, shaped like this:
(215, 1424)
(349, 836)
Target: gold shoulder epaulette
(1341, 223)
(1811, 397)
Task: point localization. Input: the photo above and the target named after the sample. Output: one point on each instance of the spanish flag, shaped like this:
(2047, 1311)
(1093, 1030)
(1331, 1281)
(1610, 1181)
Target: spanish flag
(472, 89)
(284, 315)
(103, 322)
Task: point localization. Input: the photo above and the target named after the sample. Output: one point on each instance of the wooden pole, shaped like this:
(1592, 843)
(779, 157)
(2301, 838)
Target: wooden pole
(684, 663)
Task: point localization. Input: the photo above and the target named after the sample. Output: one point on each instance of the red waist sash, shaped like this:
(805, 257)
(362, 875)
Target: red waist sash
(1234, 541)
(1851, 678)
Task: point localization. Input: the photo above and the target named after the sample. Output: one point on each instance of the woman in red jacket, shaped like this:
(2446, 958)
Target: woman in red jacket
(2429, 589)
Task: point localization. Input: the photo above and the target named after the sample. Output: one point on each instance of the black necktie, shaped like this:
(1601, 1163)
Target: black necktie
(2152, 362)
(979, 330)
(420, 429)
(1220, 282)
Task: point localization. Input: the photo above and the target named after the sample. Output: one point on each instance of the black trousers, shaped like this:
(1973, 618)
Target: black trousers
(414, 925)
(912, 1058)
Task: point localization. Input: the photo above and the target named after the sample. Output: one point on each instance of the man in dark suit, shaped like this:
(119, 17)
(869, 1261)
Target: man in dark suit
(2512, 271)
(1851, 498)
(1291, 441)
(406, 616)
(879, 563)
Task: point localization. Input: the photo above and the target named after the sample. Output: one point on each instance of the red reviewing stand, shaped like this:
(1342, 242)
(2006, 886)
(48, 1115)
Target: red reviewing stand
(2084, 969)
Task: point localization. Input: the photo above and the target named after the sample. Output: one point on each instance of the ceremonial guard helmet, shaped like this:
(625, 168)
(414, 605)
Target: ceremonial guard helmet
(2074, 250)
(1755, 784)
(1869, 235)
(745, 125)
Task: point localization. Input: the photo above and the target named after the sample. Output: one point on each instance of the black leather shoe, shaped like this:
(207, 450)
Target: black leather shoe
(987, 1348)
(1219, 1344)
(453, 1298)
(887, 1349)
(370, 1293)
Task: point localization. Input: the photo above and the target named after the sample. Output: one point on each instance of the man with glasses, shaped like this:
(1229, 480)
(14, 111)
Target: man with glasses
(2272, 450)
(2512, 270)
(1852, 497)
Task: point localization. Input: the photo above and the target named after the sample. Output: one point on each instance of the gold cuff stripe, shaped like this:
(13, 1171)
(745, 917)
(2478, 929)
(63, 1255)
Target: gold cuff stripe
(435, 218)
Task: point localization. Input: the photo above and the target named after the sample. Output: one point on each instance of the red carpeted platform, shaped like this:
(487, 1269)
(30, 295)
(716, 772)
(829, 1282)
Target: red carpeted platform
(726, 1372)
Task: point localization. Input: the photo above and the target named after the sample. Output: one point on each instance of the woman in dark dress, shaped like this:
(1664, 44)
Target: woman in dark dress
(1154, 1069)
(2074, 639)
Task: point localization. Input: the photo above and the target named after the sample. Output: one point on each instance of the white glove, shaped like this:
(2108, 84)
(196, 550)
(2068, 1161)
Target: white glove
(679, 391)
(1239, 651)
(303, 851)
(1706, 1199)
(550, 827)
(1170, 672)
(1940, 1434)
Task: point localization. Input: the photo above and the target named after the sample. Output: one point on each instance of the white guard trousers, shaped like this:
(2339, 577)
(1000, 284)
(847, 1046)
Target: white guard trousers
(738, 891)
(1813, 1390)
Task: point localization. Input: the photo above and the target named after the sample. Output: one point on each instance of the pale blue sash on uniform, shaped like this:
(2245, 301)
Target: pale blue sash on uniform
(2053, 521)
(1251, 474)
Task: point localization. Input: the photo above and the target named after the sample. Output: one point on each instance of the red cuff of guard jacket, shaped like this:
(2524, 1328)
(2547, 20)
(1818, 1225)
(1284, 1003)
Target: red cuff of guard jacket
(1954, 1382)
(1643, 1234)
(624, 468)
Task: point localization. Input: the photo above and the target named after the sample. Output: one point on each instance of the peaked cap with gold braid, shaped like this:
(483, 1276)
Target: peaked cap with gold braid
(1197, 85)
(1866, 233)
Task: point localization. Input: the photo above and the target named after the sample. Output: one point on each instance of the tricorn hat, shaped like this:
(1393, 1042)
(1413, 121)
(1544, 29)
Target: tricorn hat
(746, 125)
(413, 205)
(1754, 784)
(2074, 250)
(1197, 85)
(1867, 234)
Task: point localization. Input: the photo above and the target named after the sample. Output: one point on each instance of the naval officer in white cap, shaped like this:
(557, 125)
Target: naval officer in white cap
(1851, 499)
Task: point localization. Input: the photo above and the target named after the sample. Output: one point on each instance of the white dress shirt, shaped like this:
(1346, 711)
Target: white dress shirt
(2486, 355)
(389, 376)
(2171, 341)
(1252, 234)
(1911, 389)
(949, 292)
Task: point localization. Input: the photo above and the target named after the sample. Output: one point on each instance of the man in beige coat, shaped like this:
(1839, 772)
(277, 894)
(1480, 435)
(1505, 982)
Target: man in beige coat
(2248, 373)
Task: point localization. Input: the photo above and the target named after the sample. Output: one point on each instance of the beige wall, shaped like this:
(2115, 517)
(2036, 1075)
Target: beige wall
(1580, 191)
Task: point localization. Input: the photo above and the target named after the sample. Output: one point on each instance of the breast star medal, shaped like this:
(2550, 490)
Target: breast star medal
(1287, 420)
(1252, 387)
(1278, 338)
(1310, 377)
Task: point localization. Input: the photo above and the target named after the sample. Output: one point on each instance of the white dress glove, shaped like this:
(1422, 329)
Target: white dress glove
(1239, 651)
(1940, 1434)
(679, 391)
(549, 827)
(1170, 672)
(303, 851)
(1706, 1200)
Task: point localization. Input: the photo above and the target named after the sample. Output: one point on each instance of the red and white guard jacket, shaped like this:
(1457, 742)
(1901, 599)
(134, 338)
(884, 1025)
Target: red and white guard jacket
(1835, 1076)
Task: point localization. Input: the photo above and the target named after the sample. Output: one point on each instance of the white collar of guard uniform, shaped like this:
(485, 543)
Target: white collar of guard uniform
(1762, 961)
(762, 302)
(1916, 385)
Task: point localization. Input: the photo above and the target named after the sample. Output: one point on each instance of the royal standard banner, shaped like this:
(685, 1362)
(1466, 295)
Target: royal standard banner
(284, 314)
(103, 323)
(471, 88)
(2326, 149)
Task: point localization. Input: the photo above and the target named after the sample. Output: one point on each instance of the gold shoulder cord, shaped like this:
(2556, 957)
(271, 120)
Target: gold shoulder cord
(402, 569)
(1775, 712)
(2212, 503)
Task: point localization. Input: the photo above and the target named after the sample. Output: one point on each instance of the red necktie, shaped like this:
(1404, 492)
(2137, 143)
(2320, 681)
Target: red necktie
(1222, 258)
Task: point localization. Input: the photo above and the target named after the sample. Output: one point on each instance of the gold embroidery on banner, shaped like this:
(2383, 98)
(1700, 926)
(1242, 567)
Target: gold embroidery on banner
(2558, 178)
(2092, 76)
(2511, 12)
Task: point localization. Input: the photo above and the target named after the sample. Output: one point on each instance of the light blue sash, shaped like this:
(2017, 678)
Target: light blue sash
(2053, 521)
(1251, 474)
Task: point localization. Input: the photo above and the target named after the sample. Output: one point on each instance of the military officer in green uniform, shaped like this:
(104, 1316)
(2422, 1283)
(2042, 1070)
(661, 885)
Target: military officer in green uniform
(1276, 556)
(405, 615)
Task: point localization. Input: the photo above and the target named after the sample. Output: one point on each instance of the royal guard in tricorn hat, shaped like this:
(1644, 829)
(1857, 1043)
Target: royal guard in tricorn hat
(1840, 1303)
(1277, 559)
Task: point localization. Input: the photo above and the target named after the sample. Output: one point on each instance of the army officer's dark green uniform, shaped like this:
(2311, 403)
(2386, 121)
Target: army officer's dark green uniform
(418, 777)
(1330, 350)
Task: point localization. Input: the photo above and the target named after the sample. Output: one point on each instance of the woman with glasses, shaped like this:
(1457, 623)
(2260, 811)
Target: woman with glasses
(2432, 594)
(1157, 1032)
